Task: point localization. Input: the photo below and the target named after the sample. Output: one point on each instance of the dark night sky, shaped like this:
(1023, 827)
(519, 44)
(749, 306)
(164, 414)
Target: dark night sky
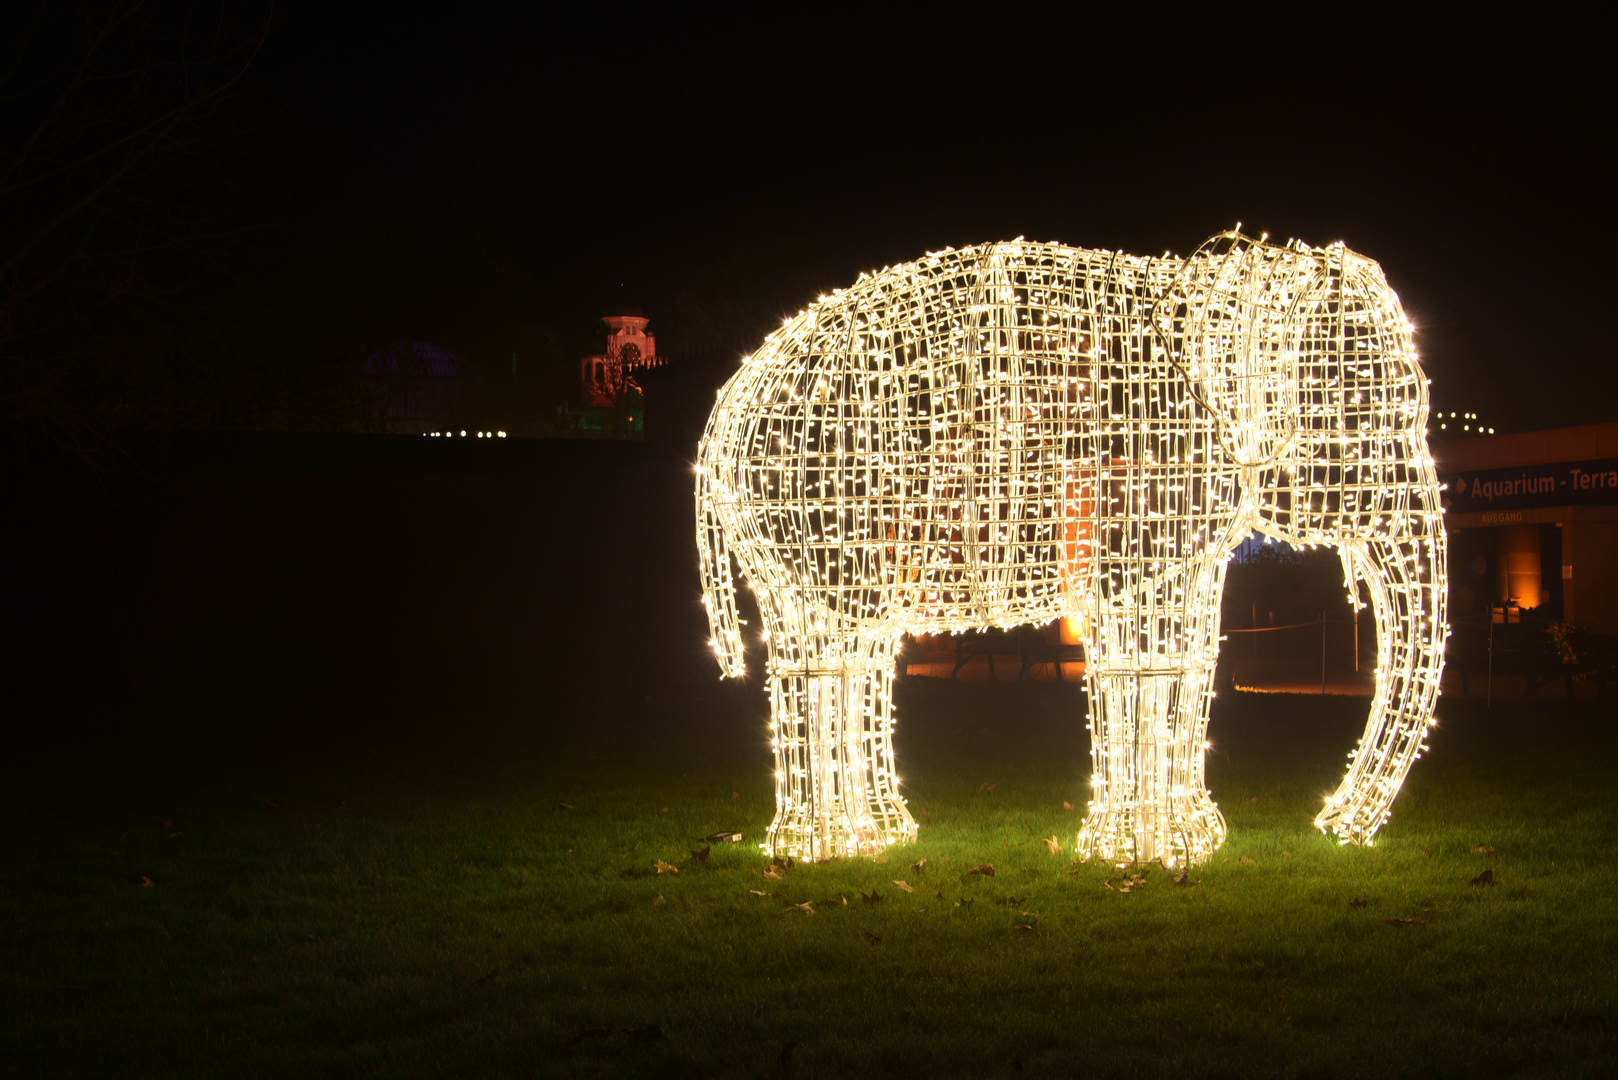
(1467, 155)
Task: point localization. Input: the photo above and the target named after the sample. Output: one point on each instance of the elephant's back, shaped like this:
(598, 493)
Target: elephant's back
(900, 451)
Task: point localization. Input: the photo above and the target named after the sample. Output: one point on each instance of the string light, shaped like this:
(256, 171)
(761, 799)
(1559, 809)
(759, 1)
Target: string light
(1020, 432)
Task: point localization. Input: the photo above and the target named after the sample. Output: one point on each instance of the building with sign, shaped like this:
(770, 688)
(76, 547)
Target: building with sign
(1533, 524)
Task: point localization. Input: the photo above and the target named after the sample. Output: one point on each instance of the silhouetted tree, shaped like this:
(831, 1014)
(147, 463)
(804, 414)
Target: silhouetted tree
(125, 131)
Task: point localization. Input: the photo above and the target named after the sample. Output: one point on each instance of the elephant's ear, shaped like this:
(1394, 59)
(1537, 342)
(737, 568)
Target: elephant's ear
(1223, 320)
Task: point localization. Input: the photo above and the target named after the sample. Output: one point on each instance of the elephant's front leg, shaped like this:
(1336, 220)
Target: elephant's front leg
(1150, 679)
(836, 790)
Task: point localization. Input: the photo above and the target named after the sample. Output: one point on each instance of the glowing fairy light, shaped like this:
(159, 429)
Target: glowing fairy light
(1020, 432)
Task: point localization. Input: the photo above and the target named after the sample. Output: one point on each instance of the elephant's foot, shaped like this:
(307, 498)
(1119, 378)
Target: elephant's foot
(839, 832)
(1187, 831)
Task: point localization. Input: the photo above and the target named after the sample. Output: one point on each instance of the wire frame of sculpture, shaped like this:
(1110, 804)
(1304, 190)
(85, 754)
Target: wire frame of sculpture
(1018, 432)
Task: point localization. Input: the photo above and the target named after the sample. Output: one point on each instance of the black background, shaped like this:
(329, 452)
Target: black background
(735, 166)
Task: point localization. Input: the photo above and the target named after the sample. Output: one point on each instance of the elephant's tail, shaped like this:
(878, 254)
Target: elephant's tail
(718, 586)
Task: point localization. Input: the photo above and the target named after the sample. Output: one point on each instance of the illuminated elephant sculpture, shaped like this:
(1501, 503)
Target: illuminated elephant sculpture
(1018, 432)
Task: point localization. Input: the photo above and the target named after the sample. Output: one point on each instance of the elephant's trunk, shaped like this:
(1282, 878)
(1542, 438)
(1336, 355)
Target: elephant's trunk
(1403, 565)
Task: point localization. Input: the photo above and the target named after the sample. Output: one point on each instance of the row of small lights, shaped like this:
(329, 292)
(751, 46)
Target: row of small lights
(464, 435)
(1471, 416)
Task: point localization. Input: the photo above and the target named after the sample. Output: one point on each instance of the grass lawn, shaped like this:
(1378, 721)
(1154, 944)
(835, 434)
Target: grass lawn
(420, 902)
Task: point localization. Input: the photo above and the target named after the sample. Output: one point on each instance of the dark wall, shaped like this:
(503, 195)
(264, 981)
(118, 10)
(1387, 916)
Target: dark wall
(323, 573)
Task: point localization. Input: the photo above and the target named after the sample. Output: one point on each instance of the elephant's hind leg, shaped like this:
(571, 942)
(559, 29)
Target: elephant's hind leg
(836, 790)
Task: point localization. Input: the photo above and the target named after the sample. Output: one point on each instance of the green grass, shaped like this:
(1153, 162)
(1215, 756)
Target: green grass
(424, 906)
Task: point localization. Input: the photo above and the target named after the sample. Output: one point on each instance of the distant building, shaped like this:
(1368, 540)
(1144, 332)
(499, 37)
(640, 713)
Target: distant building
(1533, 523)
(607, 380)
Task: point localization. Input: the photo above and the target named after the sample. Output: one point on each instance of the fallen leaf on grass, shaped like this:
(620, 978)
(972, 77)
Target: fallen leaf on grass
(915, 867)
(1405, 922)
(1008, 901)
(723, 838)
(1485, 878)
(758, 892)
(872, 897)
(1052, 846)
(565, 806)
(666, 868)
(701, 856)
(806, 907)
(1253, 799)
(1483, 849)
(965, 901)
(1066, 805)
(785, 864)
(771, 875)
(1245, 861)
(1023, 927)
(870, 937)
(659, 900)
(735, 794)
(982, 868)
(838, 899)
(985, 787)
(1184, 877)
(489, 978)
(146, 882)
(664, 810)
(1127, 883)
(1358, 903)
(905, 885)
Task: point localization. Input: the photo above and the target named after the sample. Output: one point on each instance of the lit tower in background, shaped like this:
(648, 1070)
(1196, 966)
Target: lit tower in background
(608, 379)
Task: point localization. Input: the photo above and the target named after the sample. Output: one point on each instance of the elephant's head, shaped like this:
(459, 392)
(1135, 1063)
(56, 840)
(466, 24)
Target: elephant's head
(1304, 357)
